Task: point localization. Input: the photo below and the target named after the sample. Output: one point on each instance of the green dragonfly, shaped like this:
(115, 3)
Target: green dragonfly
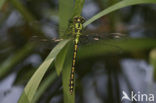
(76, 31)
(76, 28)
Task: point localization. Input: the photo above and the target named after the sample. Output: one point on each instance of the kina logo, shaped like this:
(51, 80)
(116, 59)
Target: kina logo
(149, 98)
(125, 96)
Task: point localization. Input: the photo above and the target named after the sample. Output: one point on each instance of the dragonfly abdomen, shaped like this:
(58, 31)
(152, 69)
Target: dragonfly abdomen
(71, 85)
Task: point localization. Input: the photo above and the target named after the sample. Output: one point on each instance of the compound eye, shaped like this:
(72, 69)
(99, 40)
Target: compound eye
(75, 19)
(83, 20)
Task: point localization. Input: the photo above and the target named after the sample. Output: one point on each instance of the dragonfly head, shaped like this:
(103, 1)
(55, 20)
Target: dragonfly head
(78, 19)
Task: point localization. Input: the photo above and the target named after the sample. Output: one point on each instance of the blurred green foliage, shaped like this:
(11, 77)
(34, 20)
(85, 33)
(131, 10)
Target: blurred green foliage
(61, 54)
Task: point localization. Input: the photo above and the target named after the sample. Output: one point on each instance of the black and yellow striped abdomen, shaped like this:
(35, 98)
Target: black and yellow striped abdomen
(77, 30)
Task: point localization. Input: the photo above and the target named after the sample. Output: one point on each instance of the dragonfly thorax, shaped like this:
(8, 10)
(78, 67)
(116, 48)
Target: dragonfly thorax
(78, 25)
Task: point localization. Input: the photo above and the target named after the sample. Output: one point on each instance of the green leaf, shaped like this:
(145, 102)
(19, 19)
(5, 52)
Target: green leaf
(68, 98)
(60, 60)
(33, 84)
(1, 3)
(78, 7)
(65, 13)
(122, 4)
(104, 47)
(153, 62)
(24, 74)
(46, 83)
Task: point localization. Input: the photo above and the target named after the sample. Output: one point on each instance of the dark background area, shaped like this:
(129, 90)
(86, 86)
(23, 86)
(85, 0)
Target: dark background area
(99, 79)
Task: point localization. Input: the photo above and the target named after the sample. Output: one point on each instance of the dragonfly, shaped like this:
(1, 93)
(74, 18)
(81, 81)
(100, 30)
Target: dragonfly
(77, 32)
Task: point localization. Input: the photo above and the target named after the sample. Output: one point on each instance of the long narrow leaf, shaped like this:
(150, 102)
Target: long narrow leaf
(65, 13)
(33, 84)
(68, 98)
(49, 80)
(60, 60)
(78, 7)
(117, 6)
(115, 46)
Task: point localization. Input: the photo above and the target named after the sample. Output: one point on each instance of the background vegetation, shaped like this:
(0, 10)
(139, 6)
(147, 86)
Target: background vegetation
(43, 68)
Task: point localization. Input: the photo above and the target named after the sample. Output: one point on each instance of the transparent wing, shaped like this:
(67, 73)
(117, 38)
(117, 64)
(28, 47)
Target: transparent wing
(85, 38)
(95, 37)
(44, 39)
(44, 43)
(36, 38)
(91, 37)
(48, 42)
